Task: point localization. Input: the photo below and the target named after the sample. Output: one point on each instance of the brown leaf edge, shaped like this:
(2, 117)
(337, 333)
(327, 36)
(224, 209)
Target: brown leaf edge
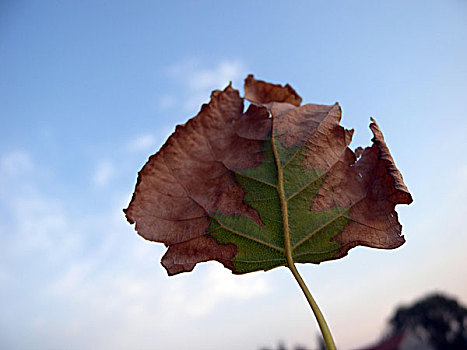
(394, 188)
(199, 247)
(261, 92)
(190, 177)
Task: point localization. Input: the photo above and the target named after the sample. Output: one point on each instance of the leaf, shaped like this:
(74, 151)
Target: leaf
(237, 186)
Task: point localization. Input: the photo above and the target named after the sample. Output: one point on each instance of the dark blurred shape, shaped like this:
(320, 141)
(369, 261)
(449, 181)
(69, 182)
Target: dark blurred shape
(320, 340)
(433, 322)
(299, 347)
(281, 346)
(436, 319)
(404, 340)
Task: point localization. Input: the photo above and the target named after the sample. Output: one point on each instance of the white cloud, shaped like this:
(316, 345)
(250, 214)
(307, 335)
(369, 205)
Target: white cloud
(166, 101)
(462, 174)
(4, 275)
(91, 281)
(222, 285)
(142, 143)
(196, 81)
(103, 174)
(148, 142)
(36, 222)
(39, 225)
(217, 77)
(217, 285)
(72, 279)
(15, 163)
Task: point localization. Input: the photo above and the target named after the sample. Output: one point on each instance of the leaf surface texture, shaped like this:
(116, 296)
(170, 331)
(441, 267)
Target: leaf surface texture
(212, 190)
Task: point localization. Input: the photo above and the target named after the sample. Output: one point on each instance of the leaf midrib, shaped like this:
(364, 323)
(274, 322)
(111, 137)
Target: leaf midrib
(284, 204)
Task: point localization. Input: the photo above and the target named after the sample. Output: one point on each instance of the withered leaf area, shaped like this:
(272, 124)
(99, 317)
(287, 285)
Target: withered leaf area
(212, 190)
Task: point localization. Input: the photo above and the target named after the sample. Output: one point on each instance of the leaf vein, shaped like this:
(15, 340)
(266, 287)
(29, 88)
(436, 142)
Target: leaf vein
(244, 235)
(309, 235)
(255, 179)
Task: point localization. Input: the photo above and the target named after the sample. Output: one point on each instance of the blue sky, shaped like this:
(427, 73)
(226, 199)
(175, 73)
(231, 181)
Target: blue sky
(90, 89)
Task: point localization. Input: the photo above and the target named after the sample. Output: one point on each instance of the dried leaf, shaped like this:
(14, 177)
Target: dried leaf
(211, 192)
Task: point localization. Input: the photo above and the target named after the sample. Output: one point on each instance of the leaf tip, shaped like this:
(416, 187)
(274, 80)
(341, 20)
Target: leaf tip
(261, 92)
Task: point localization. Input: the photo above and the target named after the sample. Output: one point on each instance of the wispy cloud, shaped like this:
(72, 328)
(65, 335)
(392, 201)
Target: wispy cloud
(217, 77)
(102, 280)
(217, 285)
(14, 163)
(141, 143)
(196, 80)
(36, 221)
(145, 143)
(103, 174)
(166, 101)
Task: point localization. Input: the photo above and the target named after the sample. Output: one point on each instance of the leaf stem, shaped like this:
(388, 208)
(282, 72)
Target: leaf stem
(288, 251)
(323, 326)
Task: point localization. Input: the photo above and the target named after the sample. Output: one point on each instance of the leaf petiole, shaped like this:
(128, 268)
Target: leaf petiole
(327, 336)
(288, 251)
